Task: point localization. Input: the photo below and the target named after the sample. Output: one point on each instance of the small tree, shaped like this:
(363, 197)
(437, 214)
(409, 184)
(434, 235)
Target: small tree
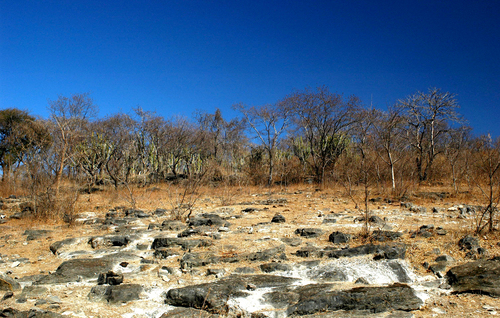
(69, 115)
(428, 117)
(268, 123)
(487, 179)
(322, 119)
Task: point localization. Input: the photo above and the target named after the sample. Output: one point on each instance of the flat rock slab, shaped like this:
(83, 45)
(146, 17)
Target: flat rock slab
(85, 268)
(476, 277)
(214, 296)
(393, 251)
(370, 299)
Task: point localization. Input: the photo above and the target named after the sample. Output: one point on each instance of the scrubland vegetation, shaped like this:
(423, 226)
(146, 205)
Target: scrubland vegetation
(311, 136)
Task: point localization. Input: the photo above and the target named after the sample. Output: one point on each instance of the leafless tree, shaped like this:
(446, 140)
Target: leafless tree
(487, 179)
(457, 140)
(428, 116)
(388, 131)
(69, 116)
(268, 123)
(322, 119)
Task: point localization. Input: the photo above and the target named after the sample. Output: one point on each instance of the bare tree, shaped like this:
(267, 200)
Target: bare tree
(428, 116)
(268, 123)
(69, 115)
(457, 142)
(388, 130)
(322, 118)
(487, 179)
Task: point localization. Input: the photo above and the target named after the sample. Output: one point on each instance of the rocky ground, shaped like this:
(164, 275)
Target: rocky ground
(292, 253)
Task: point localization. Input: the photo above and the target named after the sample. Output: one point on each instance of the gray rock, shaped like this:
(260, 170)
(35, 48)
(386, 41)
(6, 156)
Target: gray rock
(110, 278)
(309, 232)
(371, 299)
(445, 259)
(476, 277)
(278, 218)
(8, 284)
(57, 246)
(380, 251)
(184, 243)
(339, 237)
(292, 241)
(214, 296)
(274, 267)
(35, 234)
(116, 294)
(383, 236)
(188, 312)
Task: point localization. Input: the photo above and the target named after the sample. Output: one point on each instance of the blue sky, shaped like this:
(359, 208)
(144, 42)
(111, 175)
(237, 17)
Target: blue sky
(176, 57)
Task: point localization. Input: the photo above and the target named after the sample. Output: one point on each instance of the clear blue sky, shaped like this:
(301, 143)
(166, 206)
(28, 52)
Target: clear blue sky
(175, 57)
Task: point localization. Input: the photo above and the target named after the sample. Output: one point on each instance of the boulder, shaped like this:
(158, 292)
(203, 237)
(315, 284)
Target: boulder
(274, 267)
(110, 278)
(339, 237)
(481, 276)
(56, 247)
(116, 294)
(278, 218)
(8, 284)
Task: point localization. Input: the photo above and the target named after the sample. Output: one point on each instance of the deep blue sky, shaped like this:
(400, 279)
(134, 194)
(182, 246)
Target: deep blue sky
(175, 57)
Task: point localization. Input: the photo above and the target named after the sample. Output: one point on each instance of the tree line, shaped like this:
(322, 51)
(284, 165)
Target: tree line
(311, 135)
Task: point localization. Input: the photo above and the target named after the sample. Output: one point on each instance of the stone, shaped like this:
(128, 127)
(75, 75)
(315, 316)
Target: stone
(35, 234)
(278, 218)
(8, 284)
(372, 299)
(110, 278)
(383, 236)
(339, 237)
(445, 259)
(380, 251)
(57, 246)
(273, 267)
(468, 243)
(292, 241)
(481, 276)
(214, 296)
(184, 243)
(188, 312)
(309, 232)
(116, 294)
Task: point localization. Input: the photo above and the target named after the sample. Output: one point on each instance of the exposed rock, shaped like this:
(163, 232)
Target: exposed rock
(188, 312)
(468, 243)
(292, 241)
(57, 246)
(116, 294)
(372, 299)
(309, 232)
(273, 267)
(310, 251)
(107, 241)
(208, 219)
(214, 296)
(383, 236)
(110, 278)
(32, 313)
(266, 255)
(35, 234)
(380, 251)
(169, 225)
(445, 259)
(85, 268)
(8, 284)
(184, 243)
(163, 253)
(476, 277)
(278, 218)
(339, 237)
